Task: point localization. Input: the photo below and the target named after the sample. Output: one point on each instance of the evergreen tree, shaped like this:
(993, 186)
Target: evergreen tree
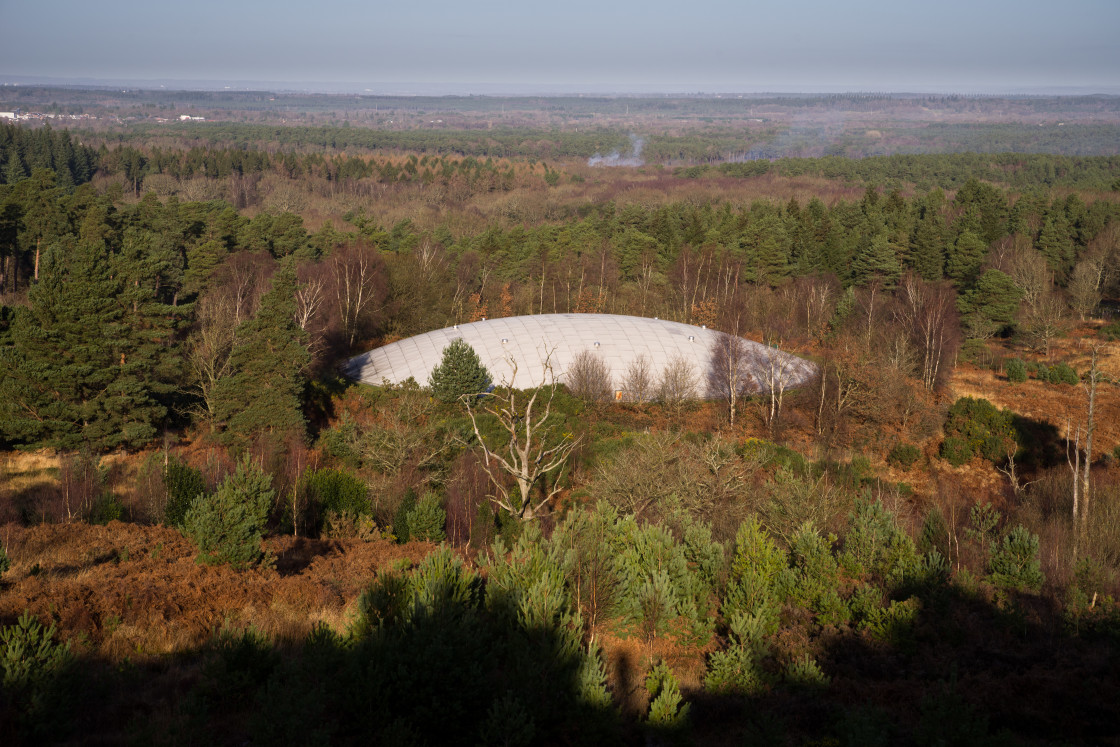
(460, 372)
(91, 361)
(927, 242)
(877, 258)
(965, 257)
(1055, 243)
(765, 249)
(227, 526)
(263, 395)
(990, 307)
(990, 206)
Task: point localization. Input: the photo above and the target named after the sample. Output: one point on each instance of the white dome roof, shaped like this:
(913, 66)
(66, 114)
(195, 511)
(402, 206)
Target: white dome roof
(529, 340)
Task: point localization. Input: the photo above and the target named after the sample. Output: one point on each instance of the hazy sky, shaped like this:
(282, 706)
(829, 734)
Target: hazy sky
(684, 45)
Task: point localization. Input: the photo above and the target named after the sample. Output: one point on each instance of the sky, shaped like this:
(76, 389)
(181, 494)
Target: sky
(465, 46)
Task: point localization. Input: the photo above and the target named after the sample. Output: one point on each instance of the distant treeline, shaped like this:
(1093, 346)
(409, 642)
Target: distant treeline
(947, 171)
(23, 150)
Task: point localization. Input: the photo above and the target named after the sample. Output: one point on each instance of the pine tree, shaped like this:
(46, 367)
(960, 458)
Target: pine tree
(227, 526)
(90, 362)
(1055, 243)
(990, 307)
(263, 396)
(965, 257)
(927, 244)
(460, 372)
(877, 258)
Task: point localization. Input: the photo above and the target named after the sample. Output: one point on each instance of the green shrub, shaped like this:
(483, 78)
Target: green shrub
(737, 669)
(976, 426)
(228, 526)
(656, 582)
(400, 518)
(667, 709)
(34, 674)
(1110, 331)
(241, 661)
(1016, 370)
(817, 576)
(183, 484)
(904, 455)
(976, 352)
(935, 533)
(1014, 562)
(334, 491)
(805, 673)
(1062, 373)
(894, 624)
(107, 507)
(460, 372)
(427, 519)
(5, 561)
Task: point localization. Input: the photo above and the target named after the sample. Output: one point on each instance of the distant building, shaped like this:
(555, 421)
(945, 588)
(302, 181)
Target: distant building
(528, 340)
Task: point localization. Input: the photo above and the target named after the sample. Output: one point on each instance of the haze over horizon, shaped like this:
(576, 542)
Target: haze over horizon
(500, 47)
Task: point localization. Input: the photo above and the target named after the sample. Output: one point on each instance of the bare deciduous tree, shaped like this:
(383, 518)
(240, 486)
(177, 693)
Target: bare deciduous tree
(1030, 272)
(929, 311)
(359, 287)
(589, 377)
(678, 383)
(729, 372)
(637, 383)
(1085, 288)
(534, 451)
(1044, 321)
(1081, 471)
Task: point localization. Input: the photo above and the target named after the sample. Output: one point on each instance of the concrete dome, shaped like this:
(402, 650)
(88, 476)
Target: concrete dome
(529, 340)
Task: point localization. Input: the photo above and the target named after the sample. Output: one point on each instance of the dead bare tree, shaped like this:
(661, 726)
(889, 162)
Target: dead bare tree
(534, 451)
